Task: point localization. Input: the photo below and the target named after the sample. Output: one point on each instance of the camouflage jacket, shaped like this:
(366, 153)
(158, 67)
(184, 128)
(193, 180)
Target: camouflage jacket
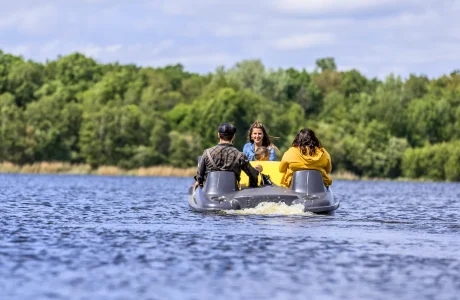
(226, 158)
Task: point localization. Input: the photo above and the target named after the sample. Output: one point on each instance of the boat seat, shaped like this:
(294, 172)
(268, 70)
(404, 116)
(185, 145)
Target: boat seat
(220, 182)
(308, 181)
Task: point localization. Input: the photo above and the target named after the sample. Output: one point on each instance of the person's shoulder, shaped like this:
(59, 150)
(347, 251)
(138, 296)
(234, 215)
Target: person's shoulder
(231, 149)
(243, 156)
(292, 149)
(238, 152)
(210, 148)
(247, 146)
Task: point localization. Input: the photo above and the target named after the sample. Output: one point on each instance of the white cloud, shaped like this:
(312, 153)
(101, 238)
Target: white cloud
(149, 49)
(234, 30)
(272, 27)
(176, 8)
(36, 19)
(456, 5)
(406, 19)
(180, 7)
(51, 47)
(333, 6)
(391, 69)
(303, 41)
(201, 34)
(21, 50)
(94, 1)
(206, 9)
(147, 23)
(98, 51)
(431, 54)
(54, 48)
(128, 53)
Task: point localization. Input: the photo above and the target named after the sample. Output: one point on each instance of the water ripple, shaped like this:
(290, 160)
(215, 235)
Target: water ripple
(89, 237)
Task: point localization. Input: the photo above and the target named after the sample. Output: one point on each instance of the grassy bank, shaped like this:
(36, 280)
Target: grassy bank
(67, 168)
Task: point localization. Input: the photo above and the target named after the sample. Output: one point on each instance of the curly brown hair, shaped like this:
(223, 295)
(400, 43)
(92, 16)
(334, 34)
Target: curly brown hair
(306, 138)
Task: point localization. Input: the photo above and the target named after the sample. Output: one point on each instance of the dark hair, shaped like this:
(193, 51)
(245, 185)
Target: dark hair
(262, 151)
(265, 140)
(226, 137)
(226, 131)
(306, 138)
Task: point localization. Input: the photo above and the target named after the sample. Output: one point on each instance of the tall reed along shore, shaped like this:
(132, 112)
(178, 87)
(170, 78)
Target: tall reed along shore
(67, 168)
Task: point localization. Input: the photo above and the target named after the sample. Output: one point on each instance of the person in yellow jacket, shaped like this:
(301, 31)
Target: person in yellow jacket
(306, 153)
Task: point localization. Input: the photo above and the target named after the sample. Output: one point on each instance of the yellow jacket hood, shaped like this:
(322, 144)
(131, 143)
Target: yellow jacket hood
(293, 160)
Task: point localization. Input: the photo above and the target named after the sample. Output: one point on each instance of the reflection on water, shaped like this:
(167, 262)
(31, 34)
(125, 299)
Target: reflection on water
(88, 237)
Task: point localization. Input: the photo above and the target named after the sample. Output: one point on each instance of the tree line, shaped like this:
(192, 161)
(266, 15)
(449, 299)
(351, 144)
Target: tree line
(74, 109)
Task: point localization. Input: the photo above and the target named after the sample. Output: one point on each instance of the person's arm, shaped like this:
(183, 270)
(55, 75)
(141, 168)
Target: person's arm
(328, 168)
(247, 150)
(284, 163)
(272, 154)
(283, 166)
(253, 173)
(200, 171)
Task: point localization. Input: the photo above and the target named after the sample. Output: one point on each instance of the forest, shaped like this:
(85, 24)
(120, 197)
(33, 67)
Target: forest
(76, 110)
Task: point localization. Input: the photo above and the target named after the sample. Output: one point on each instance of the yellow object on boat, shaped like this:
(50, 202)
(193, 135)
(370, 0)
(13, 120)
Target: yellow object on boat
(269, 168)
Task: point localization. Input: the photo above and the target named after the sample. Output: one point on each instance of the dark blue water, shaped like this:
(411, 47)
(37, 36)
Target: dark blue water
(89, 237)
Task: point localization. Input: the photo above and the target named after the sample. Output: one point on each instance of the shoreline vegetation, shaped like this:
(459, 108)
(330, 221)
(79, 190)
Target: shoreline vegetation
(85, 169)
(63, 168)
(126, 119)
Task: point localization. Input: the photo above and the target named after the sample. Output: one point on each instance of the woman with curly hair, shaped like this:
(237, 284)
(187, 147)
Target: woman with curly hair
(306, 153)
(258, 137)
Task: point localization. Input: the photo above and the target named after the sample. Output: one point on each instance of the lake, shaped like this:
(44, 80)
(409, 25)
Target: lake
(102, 237)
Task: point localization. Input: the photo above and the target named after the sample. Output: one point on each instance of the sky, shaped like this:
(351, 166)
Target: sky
(378, 38)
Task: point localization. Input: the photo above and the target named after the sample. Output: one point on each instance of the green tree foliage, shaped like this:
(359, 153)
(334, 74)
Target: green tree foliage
(437, 162)
(365, 150)
(328, 81)
(415, 87)
(184, 149)
(24, 79)
(331, 137)
(74, 70)
(7, 62)
(326, 64)
(54, 126)
(77, 110)
(224, 105)
(160, 141)
(386, 105)
(15, 143)
(248, 74)
(373, 152)
(122, 85)
(431, 120)
(336, 108)
(112, 134)
(352, 83)
(302, 90)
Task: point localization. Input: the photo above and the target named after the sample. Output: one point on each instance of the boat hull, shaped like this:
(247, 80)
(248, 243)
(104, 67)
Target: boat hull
(222, 193)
